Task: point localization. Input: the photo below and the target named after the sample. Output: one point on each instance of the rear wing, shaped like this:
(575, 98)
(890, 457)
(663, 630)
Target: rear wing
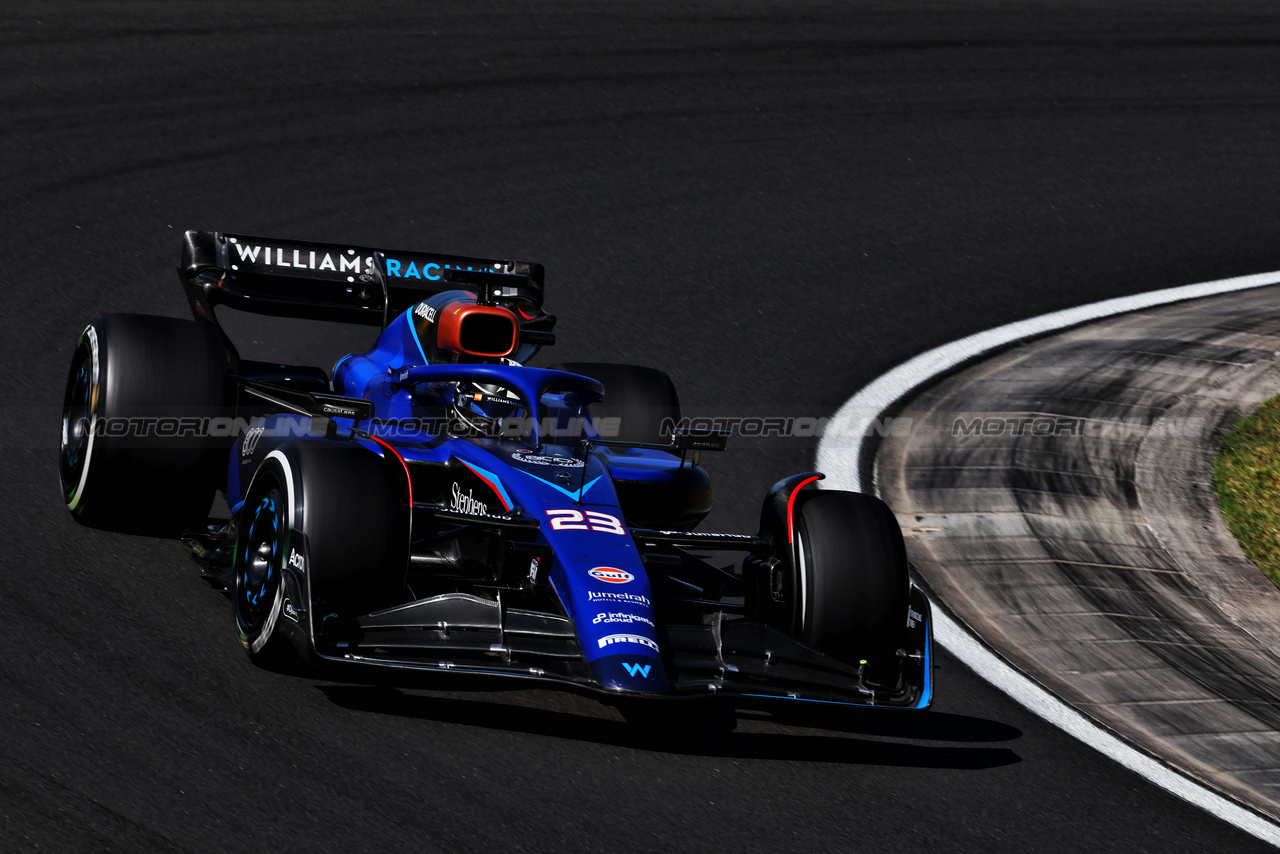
(348, 284)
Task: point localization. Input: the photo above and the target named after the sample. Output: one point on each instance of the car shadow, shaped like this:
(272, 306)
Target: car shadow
(699, 729)
(930, 726)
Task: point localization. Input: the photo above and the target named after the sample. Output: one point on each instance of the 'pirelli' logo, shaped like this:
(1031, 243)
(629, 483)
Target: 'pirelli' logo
(636, 639)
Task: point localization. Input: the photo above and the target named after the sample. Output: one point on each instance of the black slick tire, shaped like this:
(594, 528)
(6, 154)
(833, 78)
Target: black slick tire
(135, 454)
(852, 565)
(334, 518)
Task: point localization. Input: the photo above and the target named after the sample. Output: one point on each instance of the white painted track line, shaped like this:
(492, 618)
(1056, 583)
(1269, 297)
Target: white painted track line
(840, 457)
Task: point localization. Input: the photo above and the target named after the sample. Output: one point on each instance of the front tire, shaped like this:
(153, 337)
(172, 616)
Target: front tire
(852, 577)
(324, 529)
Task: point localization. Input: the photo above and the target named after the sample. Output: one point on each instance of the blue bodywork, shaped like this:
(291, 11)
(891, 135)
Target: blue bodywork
(596, 571)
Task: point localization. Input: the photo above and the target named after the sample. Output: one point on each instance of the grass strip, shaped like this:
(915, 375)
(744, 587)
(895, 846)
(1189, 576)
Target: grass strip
(1246, 479)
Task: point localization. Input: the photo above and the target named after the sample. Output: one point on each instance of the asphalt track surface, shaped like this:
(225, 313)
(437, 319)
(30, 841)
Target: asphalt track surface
(773, 202)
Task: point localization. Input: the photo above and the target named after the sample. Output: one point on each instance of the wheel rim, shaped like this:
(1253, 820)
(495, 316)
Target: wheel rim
(258, 568)
(77, 421)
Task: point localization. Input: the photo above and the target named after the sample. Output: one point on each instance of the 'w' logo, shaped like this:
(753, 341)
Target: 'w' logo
(633, 669)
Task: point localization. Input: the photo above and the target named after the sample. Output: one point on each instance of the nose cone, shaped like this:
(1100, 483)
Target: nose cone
(631, 673)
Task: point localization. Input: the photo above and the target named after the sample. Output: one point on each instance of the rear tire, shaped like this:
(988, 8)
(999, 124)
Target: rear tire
(852, 567)
(644, 400)
(135, 455)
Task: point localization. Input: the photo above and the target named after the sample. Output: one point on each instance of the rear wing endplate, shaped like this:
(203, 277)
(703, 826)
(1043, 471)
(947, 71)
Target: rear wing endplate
(348, 284)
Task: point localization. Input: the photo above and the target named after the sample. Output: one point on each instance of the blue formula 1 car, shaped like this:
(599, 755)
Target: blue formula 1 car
(434, 504)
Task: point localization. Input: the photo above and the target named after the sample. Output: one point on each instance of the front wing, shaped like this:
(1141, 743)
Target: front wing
(727, 657)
